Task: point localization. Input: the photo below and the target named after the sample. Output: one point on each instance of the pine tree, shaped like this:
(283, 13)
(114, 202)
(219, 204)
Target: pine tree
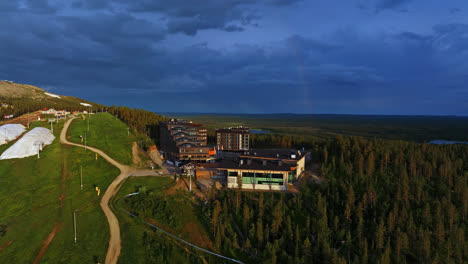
(380, 235)
(307, 250)
(246, 218)
(297, 239)
(289, 228)
(215, 215)
(385, 258)
(248, 245)
(239, 188)
(260, 233)
(235, 242)
(260, 206)
(277, 216)
(370, 164)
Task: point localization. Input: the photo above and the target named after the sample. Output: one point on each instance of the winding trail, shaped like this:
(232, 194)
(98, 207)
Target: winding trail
(113, 251)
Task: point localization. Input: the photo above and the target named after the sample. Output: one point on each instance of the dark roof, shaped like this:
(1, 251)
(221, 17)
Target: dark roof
(187, 164)
(283, 154)
(255, 164)
(181, 123)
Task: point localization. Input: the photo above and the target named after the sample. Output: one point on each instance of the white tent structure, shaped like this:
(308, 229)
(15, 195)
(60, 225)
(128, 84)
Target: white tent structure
(10, 132)
(29, 144)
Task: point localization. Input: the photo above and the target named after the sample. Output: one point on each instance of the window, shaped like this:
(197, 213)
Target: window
(271, 182)
(247, 174)
(277, 176)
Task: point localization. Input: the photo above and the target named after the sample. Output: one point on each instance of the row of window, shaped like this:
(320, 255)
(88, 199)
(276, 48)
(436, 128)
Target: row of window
(263, 175)
(191, 151)
(195, 157)
(257, 175)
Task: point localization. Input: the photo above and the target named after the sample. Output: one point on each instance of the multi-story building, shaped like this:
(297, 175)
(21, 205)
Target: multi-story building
(259, 169)
(232, 139)
(182, 140)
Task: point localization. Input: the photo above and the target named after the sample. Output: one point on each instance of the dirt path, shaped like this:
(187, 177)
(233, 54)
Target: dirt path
(24, 119)
(156, 158)
(136, 156)
(46, 244)
(113, 251)
(2, 247)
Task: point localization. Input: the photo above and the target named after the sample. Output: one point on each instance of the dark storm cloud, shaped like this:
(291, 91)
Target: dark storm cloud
(283, 2)
(190, 17)
(132, 53)
(38, 6)
(8, 6)
(300, 43)
(455, 10)
(106, 29)
(389, 4)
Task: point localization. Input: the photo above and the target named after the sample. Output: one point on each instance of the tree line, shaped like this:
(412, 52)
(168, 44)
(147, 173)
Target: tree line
(142, 122)
(21, 106)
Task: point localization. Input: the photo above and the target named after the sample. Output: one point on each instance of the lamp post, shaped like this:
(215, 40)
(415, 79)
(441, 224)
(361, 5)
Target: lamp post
(81, 176)
(74, 223)
(85, 141)
(38, 144)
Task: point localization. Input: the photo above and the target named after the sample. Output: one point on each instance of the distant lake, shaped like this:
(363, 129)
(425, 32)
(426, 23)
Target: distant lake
(258, 131)
(447, 142)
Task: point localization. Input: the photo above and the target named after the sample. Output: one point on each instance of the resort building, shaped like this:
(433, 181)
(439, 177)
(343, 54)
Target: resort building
(259, 169)
(233, 139)
(182, 140)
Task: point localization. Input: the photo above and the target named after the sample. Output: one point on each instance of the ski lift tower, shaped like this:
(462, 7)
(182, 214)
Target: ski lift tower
(51, 121)
(38, 144)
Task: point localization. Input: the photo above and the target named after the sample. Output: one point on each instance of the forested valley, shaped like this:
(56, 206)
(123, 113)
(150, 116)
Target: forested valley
(383, 202)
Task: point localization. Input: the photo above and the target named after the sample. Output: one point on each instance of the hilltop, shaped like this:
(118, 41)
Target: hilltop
(14, 90)
(18, 99)
(11, 90)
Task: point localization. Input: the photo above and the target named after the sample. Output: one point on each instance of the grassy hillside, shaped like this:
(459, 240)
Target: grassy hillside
(14, 90)
(18, 99)
(176, 213)
(37, 195)
(106, 133)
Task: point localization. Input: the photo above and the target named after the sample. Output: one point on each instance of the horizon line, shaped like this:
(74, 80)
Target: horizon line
(286, 113)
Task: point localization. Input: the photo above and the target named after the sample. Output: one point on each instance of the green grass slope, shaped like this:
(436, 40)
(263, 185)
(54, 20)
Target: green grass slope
(36, 194)
(106, 133)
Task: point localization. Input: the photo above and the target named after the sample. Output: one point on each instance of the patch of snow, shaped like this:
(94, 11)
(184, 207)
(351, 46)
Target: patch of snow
(85, 104)
(29, 144)
(52, 95)
(10, 132)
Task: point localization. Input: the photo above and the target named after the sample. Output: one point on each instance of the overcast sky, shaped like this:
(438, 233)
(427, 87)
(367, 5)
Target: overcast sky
(244, 56)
